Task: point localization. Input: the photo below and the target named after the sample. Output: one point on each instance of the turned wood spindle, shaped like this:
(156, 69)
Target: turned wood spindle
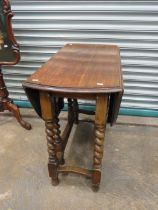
(52, 160)
(99, 145)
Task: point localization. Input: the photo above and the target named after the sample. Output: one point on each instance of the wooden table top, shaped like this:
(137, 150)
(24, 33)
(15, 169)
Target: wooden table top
(81, 68)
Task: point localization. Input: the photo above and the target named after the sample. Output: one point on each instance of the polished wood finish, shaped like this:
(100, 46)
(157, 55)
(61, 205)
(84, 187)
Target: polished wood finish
(76, 110)
(81, 68)
(9, 55)
(49, 115)
(1, 40)
(71, 118)
(75, 170)
(100, 124)
(78, 71)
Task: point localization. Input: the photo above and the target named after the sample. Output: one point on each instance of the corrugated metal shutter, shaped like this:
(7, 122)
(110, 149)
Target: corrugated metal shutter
(42, 27)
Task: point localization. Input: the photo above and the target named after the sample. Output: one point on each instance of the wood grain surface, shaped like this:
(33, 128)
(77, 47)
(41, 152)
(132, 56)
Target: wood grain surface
(81, 66)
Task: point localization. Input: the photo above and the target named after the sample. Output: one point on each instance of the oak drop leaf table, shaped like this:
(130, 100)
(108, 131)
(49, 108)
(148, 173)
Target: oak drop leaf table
(77, 71)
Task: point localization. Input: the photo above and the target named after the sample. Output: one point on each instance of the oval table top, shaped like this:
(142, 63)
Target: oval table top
(82, 68)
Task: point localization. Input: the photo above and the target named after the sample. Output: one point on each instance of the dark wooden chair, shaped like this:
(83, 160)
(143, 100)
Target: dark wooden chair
(9, 55)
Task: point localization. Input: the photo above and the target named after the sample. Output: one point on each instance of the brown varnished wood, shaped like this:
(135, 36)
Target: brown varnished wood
(68, 127)
(13, 50)
(76, 170)
(1, 40)
(81, 93)
(10, 106)
(73, 73)
(7, 104)
(89, 112)
(66, 133)
(100, 123)
(49, 116)
(7, 14)
(3, 89)
(81, 67)
(76, 110)
(46, 106)
(56, 131)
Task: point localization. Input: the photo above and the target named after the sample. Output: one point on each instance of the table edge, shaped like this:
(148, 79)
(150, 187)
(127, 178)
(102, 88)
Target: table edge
(72, 90)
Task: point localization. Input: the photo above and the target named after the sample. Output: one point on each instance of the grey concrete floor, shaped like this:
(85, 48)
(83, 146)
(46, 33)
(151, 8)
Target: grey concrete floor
(129, 174)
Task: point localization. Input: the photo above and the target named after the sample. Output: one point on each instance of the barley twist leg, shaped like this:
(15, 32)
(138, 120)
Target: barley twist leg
(99, 146)
(100, 124)
(58, 140)
(52, 161)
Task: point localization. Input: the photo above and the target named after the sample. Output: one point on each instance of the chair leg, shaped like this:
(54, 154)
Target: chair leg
(7, 104)
(15, 110)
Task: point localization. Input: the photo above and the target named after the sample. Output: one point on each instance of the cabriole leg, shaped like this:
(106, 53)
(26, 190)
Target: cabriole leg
(7, 104)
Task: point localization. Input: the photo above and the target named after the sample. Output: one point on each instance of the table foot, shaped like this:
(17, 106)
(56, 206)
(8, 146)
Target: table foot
(95, 188)
(15, 110)
(98, 154)
(62, 161)
(52, 169)
(96, 177)
(55, 182)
